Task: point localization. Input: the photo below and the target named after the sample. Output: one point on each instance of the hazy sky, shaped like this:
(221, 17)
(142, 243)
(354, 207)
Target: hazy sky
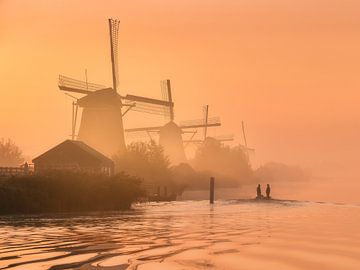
(288, 68)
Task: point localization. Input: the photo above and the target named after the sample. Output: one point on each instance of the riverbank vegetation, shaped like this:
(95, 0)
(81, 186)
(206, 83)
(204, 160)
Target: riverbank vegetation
(279, 172)
(229, 165)
(10, 153)
(146, 160)
(67, 192)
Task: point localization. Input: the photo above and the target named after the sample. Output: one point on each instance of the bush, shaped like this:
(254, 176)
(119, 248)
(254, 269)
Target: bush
(272, 172)
(10, 153)
(231, 164)
(147, 161)
(67, 192)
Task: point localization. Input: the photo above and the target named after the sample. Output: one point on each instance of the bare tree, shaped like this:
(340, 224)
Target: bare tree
(10, 153)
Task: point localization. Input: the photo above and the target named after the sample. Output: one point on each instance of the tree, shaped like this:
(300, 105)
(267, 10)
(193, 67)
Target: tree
(219, 159)
(147, 161)
(10, 153)
(273, 171)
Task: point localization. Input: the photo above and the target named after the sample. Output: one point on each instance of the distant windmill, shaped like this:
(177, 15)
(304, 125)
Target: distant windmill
(170, 134)
(102, 118)
(206, 119)
(245, 146)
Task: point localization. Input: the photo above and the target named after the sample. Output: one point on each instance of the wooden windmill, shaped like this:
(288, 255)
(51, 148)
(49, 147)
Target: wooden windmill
(206, 120)
(102, 118)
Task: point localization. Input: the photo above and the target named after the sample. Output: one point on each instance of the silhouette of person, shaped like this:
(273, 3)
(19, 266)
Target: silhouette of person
(26, 168)
(258, 191)
(268, 189)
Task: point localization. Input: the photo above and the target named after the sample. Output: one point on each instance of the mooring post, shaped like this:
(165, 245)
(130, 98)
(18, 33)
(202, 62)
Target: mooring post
(212, 189)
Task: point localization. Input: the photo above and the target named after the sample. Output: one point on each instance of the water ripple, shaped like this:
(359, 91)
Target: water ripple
(187, 235)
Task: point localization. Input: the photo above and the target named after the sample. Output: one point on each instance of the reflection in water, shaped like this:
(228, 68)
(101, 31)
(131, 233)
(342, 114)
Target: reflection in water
(187, 235)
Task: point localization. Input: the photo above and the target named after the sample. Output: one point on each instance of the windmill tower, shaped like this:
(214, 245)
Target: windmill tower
(170, 135)
(102, 118)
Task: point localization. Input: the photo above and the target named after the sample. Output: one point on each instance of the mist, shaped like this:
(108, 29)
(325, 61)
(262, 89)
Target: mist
(288, 70)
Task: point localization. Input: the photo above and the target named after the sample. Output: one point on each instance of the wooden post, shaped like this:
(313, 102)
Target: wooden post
(212, 190)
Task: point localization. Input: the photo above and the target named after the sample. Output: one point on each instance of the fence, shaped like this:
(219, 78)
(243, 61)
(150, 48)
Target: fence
(14, 171)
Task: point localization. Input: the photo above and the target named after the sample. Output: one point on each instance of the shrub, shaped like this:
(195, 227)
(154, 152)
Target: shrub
(67, 192)
(10, 153)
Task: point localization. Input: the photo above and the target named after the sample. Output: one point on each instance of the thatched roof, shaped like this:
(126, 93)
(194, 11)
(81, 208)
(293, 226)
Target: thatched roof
(59, 153)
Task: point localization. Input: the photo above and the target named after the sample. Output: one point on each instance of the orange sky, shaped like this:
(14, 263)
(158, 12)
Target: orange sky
(288, 68)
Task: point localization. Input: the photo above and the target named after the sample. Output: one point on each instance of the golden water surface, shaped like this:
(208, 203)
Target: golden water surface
(188, 235)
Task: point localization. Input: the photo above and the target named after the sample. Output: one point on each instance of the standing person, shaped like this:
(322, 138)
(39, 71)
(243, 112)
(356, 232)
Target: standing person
(258, 192)
(26, 168)
(268, 190)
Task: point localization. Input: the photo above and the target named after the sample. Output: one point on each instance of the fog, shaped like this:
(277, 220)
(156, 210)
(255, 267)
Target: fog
(289, 70)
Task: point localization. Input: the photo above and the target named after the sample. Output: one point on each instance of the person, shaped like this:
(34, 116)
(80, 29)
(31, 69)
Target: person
(268, 189)
(258, 192)
(26, 168)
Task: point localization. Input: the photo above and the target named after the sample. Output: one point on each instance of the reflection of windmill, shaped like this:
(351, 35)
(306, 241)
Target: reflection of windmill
(102, 118)
(170, 134)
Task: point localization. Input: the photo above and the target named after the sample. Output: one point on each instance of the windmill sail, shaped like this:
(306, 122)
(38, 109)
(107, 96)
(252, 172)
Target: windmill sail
(167, 95)
(114, 34)
(211, 122)
(149, 105)
(73, 85)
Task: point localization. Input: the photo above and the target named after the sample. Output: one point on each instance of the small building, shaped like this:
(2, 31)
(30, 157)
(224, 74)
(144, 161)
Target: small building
(74, 156)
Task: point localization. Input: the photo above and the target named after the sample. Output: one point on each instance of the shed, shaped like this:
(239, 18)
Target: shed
(73, 156)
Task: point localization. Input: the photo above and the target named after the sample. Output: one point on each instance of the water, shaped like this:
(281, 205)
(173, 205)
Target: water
(188, 235)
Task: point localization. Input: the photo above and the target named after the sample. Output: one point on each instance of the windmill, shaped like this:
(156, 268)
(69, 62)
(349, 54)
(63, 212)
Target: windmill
(206, 119)
(245, 147)
(102, 118)
(170, 134)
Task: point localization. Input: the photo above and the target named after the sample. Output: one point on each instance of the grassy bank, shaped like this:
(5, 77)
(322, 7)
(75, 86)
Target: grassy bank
(67, 192)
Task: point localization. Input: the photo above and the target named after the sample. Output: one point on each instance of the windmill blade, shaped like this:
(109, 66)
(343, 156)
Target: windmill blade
(114, 35)
(150, 129)
(243, 131)
(146, 108)
(218, 124)
(73, 85)
(71, 96)
(167, 95)
(206, 119)
(148, 100)
(75, 90)
(197, 122)
(148, 105)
